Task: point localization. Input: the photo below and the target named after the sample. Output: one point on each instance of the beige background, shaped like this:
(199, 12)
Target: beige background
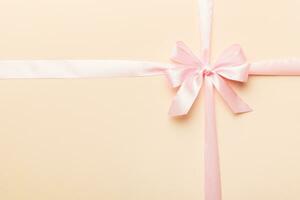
(111, 138)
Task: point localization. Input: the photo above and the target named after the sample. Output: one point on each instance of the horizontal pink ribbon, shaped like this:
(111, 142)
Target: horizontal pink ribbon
(276, 67)
(188, 72)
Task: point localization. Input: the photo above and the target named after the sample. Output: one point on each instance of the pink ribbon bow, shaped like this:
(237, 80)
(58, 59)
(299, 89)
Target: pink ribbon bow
(191, 71)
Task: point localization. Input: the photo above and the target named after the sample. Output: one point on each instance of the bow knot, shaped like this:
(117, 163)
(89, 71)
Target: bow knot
(189, 72)
(207, 71)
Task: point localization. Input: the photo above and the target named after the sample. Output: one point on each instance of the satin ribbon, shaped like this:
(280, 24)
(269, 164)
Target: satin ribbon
(191, 71)
(24, 69)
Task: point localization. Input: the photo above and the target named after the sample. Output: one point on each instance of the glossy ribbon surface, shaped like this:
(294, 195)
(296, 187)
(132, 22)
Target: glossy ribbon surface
(188, 72)
(191, 71)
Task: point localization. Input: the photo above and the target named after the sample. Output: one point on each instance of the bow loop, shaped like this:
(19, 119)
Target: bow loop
(236, 73)
(232, 56)
(176, 76)
(232, 65)
(184, 56)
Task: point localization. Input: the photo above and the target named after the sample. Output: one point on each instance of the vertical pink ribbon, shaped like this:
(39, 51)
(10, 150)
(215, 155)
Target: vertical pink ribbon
(190, 73)
(212, 178)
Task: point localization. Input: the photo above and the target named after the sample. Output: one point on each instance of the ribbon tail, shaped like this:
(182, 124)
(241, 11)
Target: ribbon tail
(186, 96)
(212, 179)
(235, 103)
